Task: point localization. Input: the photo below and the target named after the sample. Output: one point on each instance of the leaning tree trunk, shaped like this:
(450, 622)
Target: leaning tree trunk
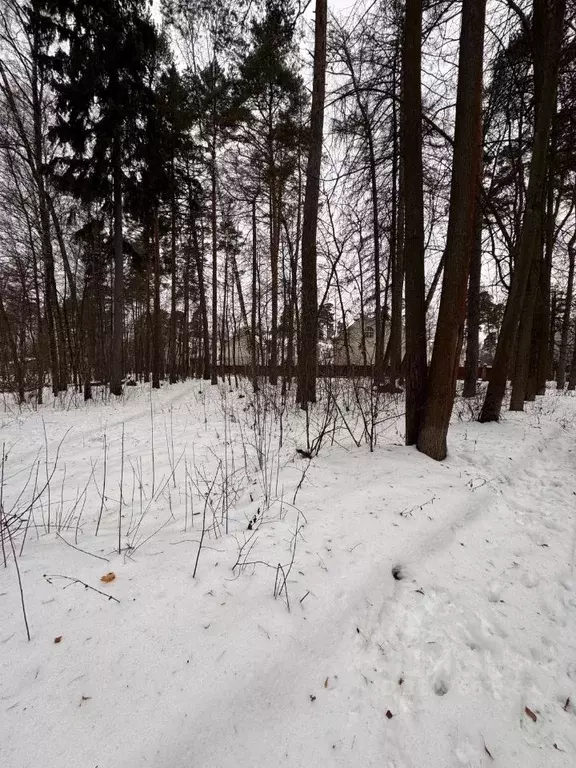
(524, 347)
(463, 201)
(415, 361)
(308, 358)
(548, 22)
(118, 326)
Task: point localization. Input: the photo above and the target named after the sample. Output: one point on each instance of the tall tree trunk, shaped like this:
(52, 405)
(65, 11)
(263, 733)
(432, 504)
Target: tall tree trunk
(547, 26)
(378, 360)
(148, 335)
(156, 311)
(572, 378)
(563, 353)
(16, 358)
(308, 357)
(463, 200)
(172, 367)
(524, 341)
(544, 309)
(254, 305)
(89, 334)
(116, 367)
(53, 327)
(185, 363)
(274, 260)
(554, 313)
(396, 242)
(473, 318)
(238, 284)
(199, 262)
(71, 333)
(214, 356)
(415, 361)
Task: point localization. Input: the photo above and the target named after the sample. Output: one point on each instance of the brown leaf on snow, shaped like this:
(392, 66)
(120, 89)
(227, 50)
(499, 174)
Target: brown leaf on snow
(326, 683)
(58, 639)
(108, 577)
(389, 715)
(530, 714)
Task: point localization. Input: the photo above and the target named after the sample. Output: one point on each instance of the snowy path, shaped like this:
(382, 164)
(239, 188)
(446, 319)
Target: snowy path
(213, 673)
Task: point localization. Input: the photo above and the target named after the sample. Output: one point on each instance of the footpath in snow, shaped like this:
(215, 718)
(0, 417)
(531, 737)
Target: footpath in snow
(424, 614)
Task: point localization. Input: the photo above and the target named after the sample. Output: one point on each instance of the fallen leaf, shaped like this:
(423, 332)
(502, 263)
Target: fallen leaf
(567, 704)
(108, 577)
(488, 752)
(530, 714)
(58, 639)
(326, 683)
(389, 714)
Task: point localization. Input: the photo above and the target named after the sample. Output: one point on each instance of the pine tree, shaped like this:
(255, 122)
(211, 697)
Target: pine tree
(272, 90)
(100, 83)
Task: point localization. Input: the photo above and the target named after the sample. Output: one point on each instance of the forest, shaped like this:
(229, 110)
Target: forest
(287, 383)
(200, 189)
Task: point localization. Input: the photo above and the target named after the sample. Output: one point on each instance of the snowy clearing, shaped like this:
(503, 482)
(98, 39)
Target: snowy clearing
(425, 613)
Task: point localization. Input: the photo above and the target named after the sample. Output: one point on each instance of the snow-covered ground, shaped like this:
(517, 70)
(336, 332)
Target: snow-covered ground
(384, 610)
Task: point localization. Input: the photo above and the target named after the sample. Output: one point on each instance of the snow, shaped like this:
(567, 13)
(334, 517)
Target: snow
(428, 617)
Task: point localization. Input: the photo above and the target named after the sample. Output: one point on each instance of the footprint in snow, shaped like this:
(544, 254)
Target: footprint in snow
(443, 675)
(398, 573)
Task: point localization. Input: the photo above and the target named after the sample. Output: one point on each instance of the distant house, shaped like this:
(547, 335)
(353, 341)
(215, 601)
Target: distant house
(238, 349)
(356, 345)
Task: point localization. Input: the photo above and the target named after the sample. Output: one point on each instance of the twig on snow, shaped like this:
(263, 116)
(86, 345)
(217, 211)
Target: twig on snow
(73, 580)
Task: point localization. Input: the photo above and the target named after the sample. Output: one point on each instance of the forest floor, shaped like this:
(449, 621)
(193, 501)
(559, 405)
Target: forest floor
(364, 608)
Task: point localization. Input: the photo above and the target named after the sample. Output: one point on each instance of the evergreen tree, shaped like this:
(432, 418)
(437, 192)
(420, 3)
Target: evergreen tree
(99, 59)
(272, 90)
(216, 109)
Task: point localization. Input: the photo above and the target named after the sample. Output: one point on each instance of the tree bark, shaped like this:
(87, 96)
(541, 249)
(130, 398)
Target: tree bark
(172, 367)
(415, 361)
(254, 305)
(308, 358)
(16, 358)
(548, 21)
(214, 356)
(473, 319)
(116, 370)
(396, 244)
(156, 311)
(524, 342)
(572, 379)
(563, 353)
(463, 200)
